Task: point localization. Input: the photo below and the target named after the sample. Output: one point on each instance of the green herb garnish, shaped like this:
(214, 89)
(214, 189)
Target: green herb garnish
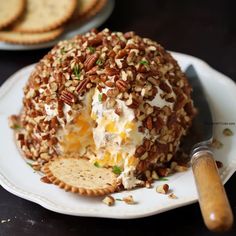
(96, 164)
(163, 179)
(100, 97)
(15, 126)
(99, 62)
(91, 49)
(63, 51)
(76, 70)
(143, 62)
(117, 170)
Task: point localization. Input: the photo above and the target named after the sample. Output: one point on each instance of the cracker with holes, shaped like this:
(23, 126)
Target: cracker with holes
(10, 10)
(29, 38)
(45, 15)
(78, 175)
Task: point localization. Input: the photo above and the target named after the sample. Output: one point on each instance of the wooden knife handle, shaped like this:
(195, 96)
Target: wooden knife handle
(214, 204)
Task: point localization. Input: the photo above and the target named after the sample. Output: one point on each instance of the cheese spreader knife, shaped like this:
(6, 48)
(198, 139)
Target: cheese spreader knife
(214, 204)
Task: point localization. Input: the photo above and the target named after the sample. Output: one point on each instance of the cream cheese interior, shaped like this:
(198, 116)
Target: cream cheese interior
(106, 138)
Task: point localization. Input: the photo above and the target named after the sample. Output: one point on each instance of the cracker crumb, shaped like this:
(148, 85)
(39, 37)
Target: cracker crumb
(129, 200)
(172, 196)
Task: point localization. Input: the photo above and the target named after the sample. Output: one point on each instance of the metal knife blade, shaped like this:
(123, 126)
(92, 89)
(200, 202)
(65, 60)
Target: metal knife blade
(201, 132)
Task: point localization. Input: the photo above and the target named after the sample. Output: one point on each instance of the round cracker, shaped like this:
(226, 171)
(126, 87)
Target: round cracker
(44, 15)
(78, 175)
(96, 9)
(84, 6)
(10, 11)
(81, 15)
(28, 38)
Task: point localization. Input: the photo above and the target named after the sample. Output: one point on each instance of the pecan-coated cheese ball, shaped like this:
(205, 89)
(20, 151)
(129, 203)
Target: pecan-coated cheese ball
(118, 99)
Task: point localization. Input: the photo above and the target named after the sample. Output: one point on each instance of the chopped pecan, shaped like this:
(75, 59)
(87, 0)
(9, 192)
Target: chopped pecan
(45, 180)
(92, 71)
(111, 71)
(129, 34)
(121, 54)
(163, 189)
(140, 151)
(122, 85)
(90, 61)
(67, 97)
(165, 87)
(149, 123)
(132, 102)
(109, 83)
(95, 41)
(82, 85)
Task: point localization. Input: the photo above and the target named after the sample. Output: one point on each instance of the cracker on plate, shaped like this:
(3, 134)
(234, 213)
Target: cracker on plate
(86, 9)
(10, 10)
(44, 15)
(78, 175)
(29, 38)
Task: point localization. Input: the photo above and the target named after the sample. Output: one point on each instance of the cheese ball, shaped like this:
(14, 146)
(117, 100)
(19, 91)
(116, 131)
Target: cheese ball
(116, 98)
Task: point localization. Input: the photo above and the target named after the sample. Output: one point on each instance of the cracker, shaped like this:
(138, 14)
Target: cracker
(45, 15)
(78, 175)
(84, 6)
(82, 14)
(29, 38)
(96, 9)
(10, 10)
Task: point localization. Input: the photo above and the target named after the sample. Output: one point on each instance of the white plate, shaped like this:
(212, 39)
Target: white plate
(94, 22)
(18, 178)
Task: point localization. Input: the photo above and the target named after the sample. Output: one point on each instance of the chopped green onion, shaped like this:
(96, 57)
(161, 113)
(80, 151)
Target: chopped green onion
(91, 49)
(96, 164)
(77, 71)
(63, 51)
(163, 179)
(99, 62)
(15, 126)
(143, 62)
(117, 170)
(100, 97)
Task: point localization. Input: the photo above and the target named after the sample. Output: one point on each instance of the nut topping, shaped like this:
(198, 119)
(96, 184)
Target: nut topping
(67, 97)
(90, 61)
(82, 85)
(163, 189)
(122, 85)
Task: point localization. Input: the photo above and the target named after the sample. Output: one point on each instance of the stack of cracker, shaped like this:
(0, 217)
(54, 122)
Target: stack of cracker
(39, 21)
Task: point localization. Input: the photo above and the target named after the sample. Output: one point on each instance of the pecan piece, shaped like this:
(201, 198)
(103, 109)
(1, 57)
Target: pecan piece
(132, 102)
(67, 97)
(82, 85)
(122, 85)
(111, 71)
(165, 87)
(140, 151)
(95, 41)
(45, 179)
(149, 123)
(163, 189)
(90, 61)
(121, 54)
